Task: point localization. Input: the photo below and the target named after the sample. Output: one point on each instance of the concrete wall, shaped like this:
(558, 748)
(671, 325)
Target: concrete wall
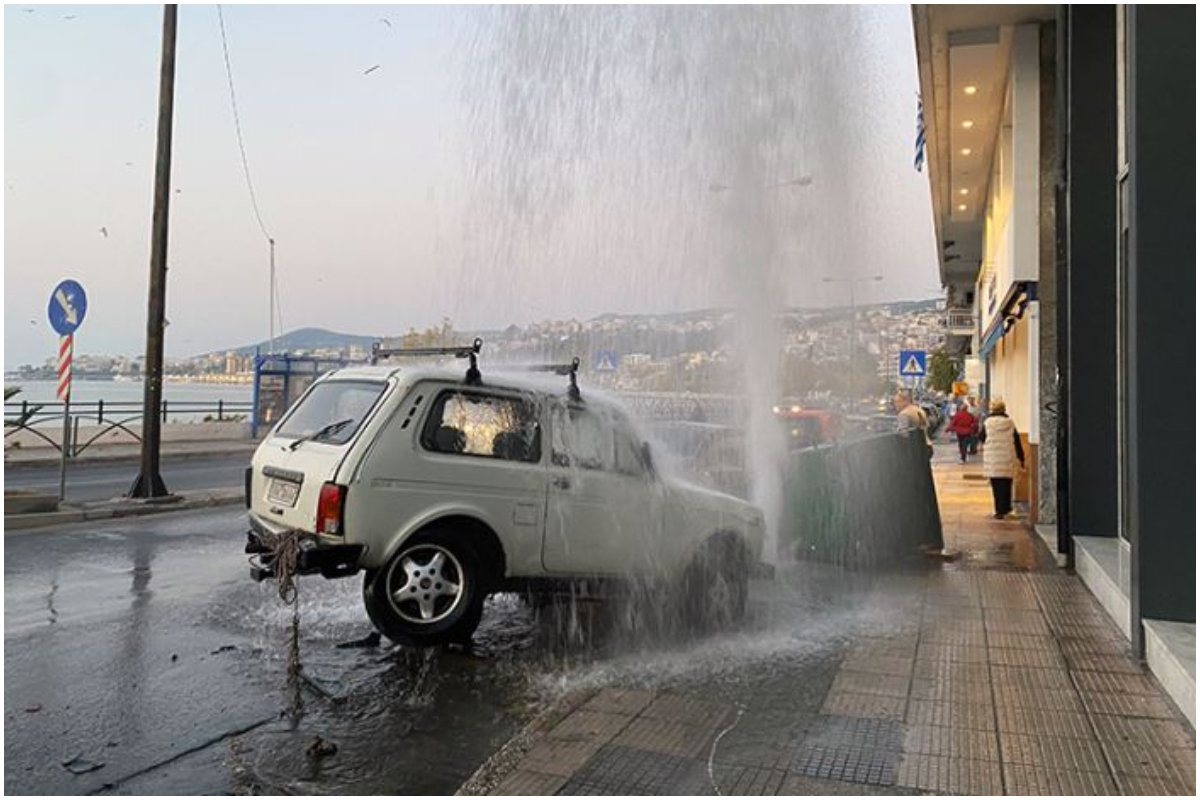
(1015, 243)
(1047, 344)
(1026, 150)
(1010, 373)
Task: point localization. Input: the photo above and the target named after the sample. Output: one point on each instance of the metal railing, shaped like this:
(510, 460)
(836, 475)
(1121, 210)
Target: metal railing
(108, 417)
(661, 406)
(959, 320)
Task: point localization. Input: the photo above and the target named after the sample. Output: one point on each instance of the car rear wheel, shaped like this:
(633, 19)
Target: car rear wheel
(429, 593)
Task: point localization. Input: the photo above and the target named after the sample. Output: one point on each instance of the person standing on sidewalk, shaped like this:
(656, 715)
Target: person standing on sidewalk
(1002, 452)
(977, 413)
(965, 427)
(910, 416)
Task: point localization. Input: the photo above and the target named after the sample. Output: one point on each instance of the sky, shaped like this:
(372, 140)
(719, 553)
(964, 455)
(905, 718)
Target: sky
(362, 127)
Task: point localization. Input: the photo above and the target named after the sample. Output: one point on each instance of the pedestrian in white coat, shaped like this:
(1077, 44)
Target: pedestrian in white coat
(1002, 452)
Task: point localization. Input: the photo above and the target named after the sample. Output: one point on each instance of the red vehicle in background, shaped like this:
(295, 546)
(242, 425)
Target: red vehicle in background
(809, 427)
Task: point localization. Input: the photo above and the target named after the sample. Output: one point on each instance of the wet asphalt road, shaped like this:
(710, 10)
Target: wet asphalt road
(104, 480)
(139, 649)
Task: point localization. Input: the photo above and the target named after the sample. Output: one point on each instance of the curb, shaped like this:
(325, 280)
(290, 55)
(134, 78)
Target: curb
(115, 458)
(125, 508)
(492, 772)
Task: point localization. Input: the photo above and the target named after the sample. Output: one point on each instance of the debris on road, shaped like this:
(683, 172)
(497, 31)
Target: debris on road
(372, 639)
(319, 748)
(78, 765)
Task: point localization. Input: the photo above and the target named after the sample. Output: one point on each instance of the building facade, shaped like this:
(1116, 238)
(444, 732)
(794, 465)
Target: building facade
(1061, 151)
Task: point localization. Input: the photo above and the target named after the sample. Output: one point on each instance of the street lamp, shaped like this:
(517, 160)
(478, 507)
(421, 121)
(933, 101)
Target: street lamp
(852, 280)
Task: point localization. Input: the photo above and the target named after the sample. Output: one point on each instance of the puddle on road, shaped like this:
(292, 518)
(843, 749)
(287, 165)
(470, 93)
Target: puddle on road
(423, 720)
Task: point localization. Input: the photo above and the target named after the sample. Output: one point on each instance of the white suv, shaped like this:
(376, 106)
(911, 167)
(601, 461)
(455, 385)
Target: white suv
(444, 489)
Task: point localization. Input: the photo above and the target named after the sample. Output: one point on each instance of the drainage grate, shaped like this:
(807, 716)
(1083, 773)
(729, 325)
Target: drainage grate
(625, 770)
(851, 749)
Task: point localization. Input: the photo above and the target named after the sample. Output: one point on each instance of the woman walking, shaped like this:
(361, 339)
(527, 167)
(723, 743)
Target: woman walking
(965, 427)
(1002, 452)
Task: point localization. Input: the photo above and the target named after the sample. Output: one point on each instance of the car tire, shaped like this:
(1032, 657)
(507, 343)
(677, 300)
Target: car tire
(429, 593)
(716, 585)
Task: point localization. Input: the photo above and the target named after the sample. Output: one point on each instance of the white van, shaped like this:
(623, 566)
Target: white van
(443, 488)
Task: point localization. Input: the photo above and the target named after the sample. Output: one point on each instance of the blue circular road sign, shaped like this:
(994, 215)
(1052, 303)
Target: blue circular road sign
(68, 304)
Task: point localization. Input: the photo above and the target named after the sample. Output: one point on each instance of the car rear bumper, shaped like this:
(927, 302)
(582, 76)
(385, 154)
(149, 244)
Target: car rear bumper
(315, 557)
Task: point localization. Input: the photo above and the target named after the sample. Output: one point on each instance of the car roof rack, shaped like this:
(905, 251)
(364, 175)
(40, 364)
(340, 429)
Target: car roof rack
(570, 370)
(471, 351)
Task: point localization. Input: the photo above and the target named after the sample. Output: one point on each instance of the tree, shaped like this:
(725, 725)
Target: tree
(943, 371)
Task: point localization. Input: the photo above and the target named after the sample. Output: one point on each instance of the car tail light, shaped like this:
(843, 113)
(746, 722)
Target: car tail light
(330, 505)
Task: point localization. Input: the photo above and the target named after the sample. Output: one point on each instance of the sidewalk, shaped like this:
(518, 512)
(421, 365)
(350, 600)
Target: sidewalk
(69, 513)
(1005, 677)
(43, 456)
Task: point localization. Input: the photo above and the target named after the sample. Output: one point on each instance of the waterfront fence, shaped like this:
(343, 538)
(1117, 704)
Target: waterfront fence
(104, 417)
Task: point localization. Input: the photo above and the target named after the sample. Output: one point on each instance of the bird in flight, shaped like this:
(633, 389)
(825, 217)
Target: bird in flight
(104, 232)
(386, 21)
(372, 69)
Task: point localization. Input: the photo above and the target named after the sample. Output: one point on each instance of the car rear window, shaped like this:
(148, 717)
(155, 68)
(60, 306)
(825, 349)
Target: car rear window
(330, 403)
(486, 425)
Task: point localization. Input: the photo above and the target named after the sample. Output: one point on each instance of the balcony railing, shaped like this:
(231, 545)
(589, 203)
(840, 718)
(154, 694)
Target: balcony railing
(960, 322)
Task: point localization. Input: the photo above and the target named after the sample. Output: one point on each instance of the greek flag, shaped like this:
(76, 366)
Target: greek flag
(919, 158)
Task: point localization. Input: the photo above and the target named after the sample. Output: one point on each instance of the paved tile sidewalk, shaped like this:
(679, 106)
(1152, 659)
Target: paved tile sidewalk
(1011, 680)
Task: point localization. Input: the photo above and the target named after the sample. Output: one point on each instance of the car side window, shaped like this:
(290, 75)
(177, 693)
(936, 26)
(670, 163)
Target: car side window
(484, 425)
(580, 439)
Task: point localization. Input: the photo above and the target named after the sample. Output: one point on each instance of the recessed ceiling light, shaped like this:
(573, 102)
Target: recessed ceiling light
(966, 151)
(962, 206)
(969, 89)
(968, 124)
(964, 191)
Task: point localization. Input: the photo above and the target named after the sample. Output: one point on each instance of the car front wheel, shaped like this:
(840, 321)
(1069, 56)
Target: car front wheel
(715, 585)
(429, 593)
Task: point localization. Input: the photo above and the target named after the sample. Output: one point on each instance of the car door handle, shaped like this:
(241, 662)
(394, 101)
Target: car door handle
(562, 483)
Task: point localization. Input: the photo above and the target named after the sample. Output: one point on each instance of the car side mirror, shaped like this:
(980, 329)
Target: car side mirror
(646, 458)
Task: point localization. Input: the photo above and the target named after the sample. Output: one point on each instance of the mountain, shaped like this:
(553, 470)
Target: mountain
(309, 339)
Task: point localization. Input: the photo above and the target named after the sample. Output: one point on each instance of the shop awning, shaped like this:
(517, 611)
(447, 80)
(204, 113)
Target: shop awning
(1016, 300)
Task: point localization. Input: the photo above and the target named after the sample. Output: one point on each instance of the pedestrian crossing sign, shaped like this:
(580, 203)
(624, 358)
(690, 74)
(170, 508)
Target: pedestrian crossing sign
(912, 363)
(606, 361)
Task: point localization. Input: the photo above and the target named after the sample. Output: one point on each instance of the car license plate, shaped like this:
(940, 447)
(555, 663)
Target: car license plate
(283, 492)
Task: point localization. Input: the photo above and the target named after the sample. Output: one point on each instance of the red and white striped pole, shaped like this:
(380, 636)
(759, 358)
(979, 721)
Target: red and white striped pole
(66, 344)
(66, 349)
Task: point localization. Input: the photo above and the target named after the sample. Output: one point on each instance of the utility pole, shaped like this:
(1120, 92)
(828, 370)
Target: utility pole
(852, 280)
(149, 482)
(271, 297)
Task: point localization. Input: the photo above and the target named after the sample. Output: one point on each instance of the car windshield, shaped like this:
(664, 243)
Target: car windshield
(329, 404)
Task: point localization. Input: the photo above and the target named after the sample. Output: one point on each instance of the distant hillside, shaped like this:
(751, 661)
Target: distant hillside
(894, 306)
(309, 339)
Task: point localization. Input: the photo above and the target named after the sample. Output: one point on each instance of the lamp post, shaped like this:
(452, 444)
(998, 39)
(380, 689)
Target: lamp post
(852, 280)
